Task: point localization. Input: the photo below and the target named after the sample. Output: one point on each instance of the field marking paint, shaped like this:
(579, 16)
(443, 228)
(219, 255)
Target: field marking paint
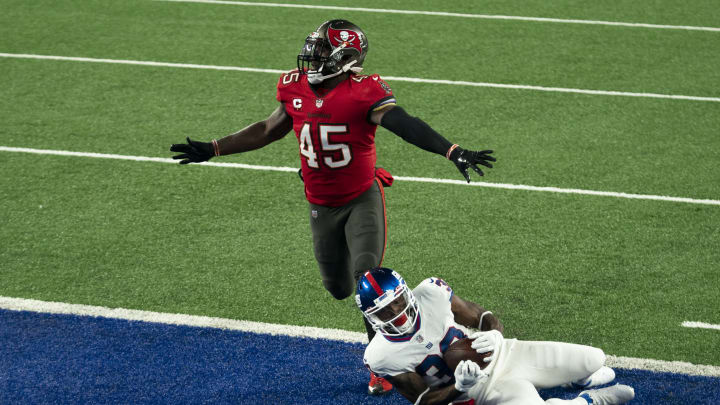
(400, 178)
(563, 190)
(22, 304)
(141, 158)
(448, 14)
(138, 62)
(388, 78)
(702, 325)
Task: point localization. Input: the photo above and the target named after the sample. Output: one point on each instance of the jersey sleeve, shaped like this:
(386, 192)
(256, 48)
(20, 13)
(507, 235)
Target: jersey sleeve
(285, 81)
(376, 94)
(434, 288)
(384, 362)
(279, 92)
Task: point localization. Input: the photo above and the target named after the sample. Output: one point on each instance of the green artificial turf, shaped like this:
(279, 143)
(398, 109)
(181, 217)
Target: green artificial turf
(235, 243)
(619, 274)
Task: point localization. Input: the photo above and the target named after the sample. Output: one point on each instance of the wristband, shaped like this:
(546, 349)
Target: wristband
(421, 395)
(452, 148)
(481, 318)
(216, 148)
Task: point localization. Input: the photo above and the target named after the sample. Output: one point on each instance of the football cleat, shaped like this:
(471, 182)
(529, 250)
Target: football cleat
(613, 395)
(378, 385)
(602, 376)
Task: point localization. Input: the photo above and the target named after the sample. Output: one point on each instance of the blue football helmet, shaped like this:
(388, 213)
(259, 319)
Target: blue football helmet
(387, 302)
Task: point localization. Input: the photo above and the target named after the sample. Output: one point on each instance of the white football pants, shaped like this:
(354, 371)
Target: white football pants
(522, 367)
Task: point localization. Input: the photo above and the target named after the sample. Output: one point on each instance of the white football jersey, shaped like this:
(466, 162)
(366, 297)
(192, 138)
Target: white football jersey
(543, 364)
(421, 352)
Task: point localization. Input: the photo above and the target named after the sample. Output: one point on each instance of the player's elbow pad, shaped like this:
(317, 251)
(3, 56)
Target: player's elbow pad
(414, 130)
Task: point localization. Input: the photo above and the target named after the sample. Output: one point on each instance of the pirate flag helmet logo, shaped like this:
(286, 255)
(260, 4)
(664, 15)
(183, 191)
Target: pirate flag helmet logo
(336, 46)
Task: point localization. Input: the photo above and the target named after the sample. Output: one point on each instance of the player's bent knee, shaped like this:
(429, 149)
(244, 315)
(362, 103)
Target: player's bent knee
(364, 262)
(594, 359)
(339, 291)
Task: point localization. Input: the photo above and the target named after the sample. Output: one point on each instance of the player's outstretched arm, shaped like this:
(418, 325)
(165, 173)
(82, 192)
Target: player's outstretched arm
(472, 315)
(417, 132)
(254, 136)
(413, 387)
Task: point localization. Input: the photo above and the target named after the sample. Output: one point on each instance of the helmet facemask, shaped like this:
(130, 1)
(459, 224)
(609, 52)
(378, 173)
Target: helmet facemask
(314, 59)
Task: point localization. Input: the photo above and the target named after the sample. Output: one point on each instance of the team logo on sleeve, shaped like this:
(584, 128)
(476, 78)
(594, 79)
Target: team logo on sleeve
(349, 38)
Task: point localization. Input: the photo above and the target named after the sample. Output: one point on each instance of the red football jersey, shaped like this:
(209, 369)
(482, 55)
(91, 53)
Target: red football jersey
(335, 136)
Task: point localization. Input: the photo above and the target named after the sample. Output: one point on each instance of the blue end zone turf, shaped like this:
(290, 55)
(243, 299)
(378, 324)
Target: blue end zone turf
(58, 359)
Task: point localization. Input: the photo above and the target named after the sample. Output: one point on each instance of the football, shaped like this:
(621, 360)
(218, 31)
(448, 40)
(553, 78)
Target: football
(460, 351)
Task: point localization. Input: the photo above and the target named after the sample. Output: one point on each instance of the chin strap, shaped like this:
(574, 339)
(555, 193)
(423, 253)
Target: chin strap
(317, 77)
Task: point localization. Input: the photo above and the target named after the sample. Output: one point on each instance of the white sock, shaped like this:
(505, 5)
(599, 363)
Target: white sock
(557, 401)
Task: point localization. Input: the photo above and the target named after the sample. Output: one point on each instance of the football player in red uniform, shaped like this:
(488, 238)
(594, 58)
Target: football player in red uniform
(334, 111)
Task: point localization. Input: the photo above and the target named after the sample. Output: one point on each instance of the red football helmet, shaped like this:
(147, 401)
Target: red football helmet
(337, 46)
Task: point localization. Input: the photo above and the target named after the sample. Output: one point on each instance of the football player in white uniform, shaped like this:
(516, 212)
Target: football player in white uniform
(416, 327)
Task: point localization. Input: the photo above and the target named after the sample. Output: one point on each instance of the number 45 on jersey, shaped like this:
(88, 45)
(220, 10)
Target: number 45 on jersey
(307, 148)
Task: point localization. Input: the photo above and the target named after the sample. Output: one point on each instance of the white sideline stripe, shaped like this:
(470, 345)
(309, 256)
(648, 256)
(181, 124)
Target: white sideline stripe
(400, 178)
(702, 325)
(447, 14)
(681, 367)
(22, 304)
(388, 78)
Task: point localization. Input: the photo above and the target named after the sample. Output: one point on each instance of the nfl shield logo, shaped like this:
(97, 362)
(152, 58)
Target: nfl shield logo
(318, 102)
(314, 213)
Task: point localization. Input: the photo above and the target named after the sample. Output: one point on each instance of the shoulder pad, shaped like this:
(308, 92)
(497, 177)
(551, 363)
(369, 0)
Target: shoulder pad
(433, 286)
(289, 78)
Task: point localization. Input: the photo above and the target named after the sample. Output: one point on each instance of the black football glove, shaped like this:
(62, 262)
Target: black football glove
(468, 158)
(193, 151)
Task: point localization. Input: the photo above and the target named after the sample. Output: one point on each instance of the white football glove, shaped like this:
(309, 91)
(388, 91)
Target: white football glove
(487, 341)
(467, 374)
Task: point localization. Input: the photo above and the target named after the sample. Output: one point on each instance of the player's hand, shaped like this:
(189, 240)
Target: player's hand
(465, 159)
(486, 341)
(193, 151)
(467, 374)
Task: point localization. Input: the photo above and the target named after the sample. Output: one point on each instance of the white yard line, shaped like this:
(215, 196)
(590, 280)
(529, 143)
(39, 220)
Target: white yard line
(446, 14)
(399, 178)
(140, 158)
(21, 304)
(701, 325)
(138, 63)
(388, 78)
